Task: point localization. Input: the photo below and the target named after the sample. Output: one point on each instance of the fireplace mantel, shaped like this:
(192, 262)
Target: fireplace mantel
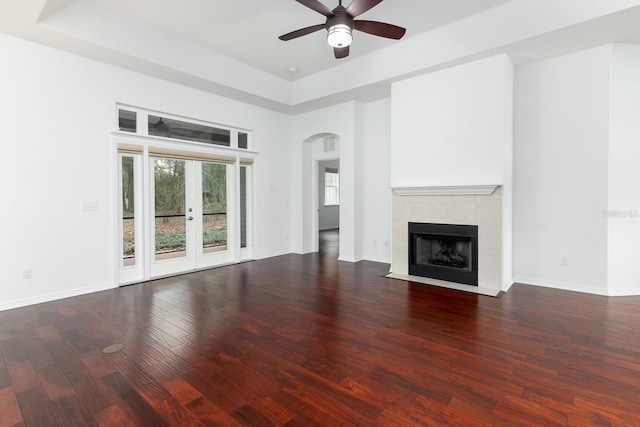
(454, 190)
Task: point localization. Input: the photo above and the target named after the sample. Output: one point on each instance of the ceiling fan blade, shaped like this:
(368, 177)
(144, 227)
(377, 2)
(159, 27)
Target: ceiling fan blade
(301, 32)
(341, 52)
(358, 7)
(380, 29)
(317, 6)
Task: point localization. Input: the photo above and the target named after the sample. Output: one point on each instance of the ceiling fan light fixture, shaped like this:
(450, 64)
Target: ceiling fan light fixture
(339, 35)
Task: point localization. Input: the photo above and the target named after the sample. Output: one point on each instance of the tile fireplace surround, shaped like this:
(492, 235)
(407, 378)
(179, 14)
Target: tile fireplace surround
(469, 205)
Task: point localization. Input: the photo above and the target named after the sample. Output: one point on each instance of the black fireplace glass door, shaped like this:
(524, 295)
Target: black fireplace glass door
(444, 251)
(451, 253)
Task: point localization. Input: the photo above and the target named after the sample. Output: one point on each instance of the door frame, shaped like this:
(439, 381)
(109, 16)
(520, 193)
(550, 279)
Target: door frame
(147, 147)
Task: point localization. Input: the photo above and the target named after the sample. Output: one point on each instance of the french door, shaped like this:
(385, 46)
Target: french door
(191, 222)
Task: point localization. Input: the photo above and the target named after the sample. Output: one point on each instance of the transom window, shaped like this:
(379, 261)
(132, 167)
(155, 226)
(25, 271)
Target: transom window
(150, 123)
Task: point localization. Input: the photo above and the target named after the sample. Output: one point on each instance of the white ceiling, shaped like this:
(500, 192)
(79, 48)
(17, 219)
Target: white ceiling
(231, 47)
(248, 30)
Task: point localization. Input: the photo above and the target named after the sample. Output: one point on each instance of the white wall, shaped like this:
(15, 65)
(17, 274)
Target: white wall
(328, 216)
(458, 114)
(57, 113)
(561, 171)
(376, 209)
(623, 213)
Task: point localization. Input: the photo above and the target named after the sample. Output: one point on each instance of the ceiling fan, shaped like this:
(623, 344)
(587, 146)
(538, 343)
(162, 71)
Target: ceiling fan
(341, 23)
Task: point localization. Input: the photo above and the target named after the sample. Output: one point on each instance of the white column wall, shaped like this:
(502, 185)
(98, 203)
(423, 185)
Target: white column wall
(561, 171)
(376, 202)
(623, 213)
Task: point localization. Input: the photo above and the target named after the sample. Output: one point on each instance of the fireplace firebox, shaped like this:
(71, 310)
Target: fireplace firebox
(444, 251)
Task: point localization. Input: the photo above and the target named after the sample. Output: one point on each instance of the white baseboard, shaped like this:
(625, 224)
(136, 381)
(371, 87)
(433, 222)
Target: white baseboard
(624, 292)
(566, 286)
(52, 296)
(377, 259)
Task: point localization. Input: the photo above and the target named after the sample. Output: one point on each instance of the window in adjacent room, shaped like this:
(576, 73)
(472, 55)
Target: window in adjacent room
(331, 187)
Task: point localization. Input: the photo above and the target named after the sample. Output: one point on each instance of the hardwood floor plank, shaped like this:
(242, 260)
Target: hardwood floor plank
(38, 353)
(6, 329)
(182, 390)
(344, 404)
(5, 380)
(131, 402)
(263, 411)
(10, 414)
(73, 412)
(37, 409)
(89, 391)
(213, 389)
(78, 341)
(23, 376)
(55, 383)
(65, 356)
(48, 333)
(529, 412)
(12, 351)
(97, 363)
(211, 414)
(114, 416)
(177, 415)
(144, 383)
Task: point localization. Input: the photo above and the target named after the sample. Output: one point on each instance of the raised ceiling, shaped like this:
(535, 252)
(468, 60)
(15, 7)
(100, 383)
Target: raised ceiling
(248, 30)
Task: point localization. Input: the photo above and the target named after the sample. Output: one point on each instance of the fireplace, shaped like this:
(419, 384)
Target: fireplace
(444, 251)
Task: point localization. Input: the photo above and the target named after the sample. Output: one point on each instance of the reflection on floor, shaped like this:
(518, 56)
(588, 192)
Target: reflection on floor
(330, 242)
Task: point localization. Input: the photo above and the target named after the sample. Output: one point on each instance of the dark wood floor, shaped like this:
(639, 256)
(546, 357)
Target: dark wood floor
(307, 340)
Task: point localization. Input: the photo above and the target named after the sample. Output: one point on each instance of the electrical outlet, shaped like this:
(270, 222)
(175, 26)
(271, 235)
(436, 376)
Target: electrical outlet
(25, 274)
(564, 261)
(386, 243)
(89, 206)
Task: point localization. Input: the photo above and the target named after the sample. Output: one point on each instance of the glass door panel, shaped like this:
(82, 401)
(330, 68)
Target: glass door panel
(243, 207)
(130, 224)
(173, 220)
(128, 212)
(214, 207)
(170, 211)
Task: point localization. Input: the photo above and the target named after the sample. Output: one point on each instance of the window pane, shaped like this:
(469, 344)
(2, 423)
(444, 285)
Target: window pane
(330, 196)
(243, 140)
(170, 219)
(128, 213)
(177, 129)
(127, 120)
(331, 188)
(243, 206)
(214, 207)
